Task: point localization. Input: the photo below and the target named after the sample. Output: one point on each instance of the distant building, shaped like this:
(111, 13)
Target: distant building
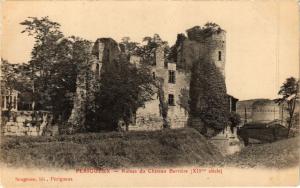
(262, 111)
(265, 111)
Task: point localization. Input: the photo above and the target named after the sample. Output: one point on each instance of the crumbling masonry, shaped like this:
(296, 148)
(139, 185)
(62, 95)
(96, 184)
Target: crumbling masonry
(175, 74)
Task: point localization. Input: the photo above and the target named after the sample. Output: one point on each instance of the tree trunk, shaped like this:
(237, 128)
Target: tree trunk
(290, 122)
(163, 105)
(289, 127)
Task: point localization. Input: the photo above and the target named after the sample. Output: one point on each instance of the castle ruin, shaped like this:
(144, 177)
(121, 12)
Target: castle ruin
(174, 73)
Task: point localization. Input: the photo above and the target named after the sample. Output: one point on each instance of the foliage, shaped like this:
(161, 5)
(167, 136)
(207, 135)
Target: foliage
(124, 88)
(47, 36)
(54, 65)
(13, 78)
(234, 119)
(289, 96)
(173, 50)
(147, 51)
(148, 54)
(207, 30)
(128, 47)
(208, 96)
(184, 99)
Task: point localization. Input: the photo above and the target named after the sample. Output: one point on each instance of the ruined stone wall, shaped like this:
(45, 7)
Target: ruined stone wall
(27, 123)
(85, 86)
(103, 53)
(106, 50)
(135, 60)
(149, 117)
(178, 114)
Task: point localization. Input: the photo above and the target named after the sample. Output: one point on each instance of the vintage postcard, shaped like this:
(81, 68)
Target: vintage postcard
(149, 93)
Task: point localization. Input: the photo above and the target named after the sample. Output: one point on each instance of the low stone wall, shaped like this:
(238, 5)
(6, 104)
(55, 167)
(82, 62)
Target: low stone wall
(178, 123)
(147, 123)
(28, 123)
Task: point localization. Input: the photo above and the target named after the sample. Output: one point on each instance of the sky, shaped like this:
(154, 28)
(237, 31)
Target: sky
(262, 40)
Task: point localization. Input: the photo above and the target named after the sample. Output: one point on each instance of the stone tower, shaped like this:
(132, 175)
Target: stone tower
(202, 44)
(217, 49)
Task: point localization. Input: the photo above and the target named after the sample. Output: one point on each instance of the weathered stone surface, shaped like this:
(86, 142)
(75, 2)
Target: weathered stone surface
(149, 117)
(103, 53)
(192, 53)
(191, 50)
(23, 123)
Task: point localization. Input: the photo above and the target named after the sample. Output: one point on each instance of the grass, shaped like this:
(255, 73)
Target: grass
(140, 149)
(280, 154)
(159, 148)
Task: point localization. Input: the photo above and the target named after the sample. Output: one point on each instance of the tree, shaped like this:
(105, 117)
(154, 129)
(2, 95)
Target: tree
(8, 82)
(208, 98)
(147, 51)
(128, 47)
(55, 63)
(43, 55)
(124, 88)
(173, 50)
(289, 96)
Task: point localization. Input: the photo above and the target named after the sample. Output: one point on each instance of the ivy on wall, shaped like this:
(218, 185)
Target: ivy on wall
(208, 96)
